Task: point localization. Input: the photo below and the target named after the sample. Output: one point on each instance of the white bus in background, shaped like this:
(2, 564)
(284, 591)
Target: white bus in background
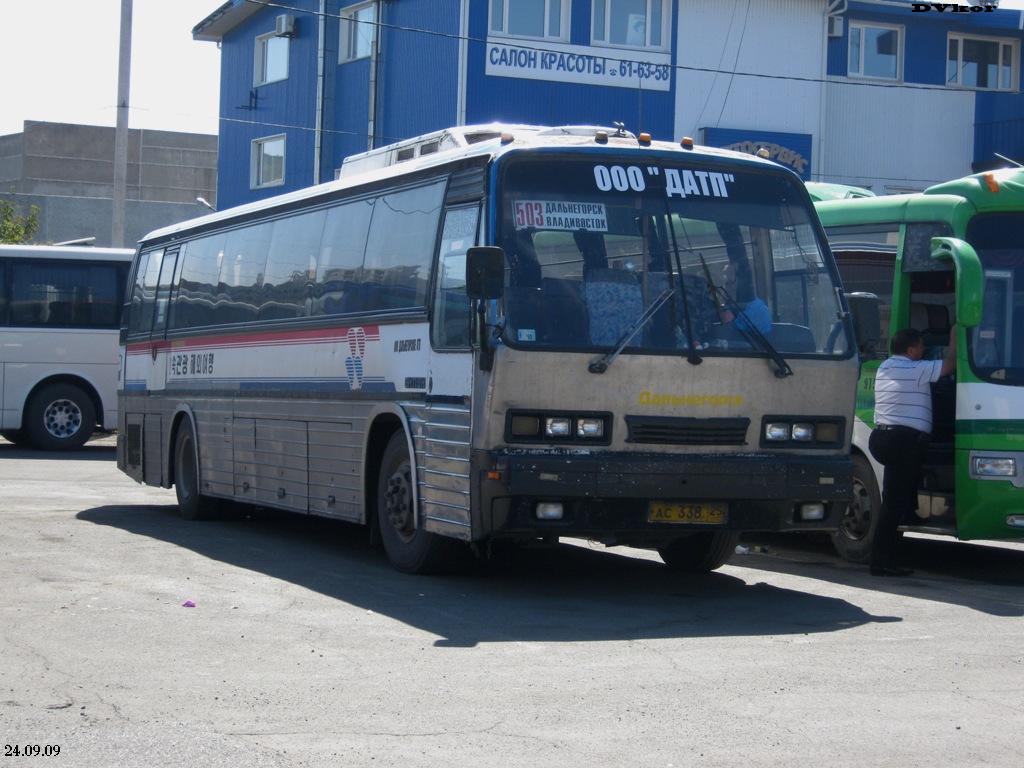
(60, 311)
(493, 341)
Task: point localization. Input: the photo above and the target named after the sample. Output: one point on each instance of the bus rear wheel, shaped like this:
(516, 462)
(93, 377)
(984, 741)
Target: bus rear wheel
(409, 548)
(700, 552)
(59, 417)
(192, 505)
(857, 526)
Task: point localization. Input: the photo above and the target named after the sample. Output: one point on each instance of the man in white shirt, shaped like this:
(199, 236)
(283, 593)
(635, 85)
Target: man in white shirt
(903, 424)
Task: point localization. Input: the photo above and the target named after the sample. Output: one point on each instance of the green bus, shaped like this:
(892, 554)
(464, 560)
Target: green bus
(951, 254)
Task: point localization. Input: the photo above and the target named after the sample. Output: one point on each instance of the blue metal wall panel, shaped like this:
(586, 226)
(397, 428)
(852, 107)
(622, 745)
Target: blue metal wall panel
(249, 112)
(998, 127)
(558, 103)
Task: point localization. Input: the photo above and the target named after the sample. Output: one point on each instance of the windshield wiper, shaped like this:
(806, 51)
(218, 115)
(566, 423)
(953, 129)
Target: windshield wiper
(692, 357)
(601, 364)
(748, 329)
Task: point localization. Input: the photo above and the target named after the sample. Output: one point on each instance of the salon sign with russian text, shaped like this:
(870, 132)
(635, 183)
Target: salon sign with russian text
(586, 65)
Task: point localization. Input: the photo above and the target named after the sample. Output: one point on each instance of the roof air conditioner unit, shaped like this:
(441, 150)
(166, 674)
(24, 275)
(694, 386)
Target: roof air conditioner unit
(835, 26)
(284, 25)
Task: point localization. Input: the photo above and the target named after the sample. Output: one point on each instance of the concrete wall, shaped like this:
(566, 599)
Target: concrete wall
(68, 171)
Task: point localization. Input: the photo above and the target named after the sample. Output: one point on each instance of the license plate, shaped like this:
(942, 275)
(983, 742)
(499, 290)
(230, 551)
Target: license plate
(707, 512)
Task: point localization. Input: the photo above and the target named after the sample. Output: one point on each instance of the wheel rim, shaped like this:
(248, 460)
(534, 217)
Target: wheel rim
(62, 418)
(856, 522)
(398, 501)
(186, 484)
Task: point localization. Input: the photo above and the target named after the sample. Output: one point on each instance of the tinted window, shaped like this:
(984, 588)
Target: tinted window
(65, 295)
(403, 231)
(163, 293)
(241, 274)
(341, 258)
(451, 304)
(135, 300)
(291, 265)
(3, 293)
(199, 273)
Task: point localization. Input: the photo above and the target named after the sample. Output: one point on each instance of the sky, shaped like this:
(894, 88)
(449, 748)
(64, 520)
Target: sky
(59, 63)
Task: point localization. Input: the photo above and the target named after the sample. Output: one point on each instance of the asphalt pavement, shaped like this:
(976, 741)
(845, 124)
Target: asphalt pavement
(304, 648)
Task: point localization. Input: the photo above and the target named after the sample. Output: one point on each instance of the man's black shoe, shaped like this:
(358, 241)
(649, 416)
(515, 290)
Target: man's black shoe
(884, 571)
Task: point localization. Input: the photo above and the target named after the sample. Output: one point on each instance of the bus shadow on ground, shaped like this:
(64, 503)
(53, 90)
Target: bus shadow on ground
(562, 594)
(982, 577)
(88, 452)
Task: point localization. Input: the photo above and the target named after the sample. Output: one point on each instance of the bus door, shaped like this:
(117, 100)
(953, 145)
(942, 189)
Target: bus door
(161, 309)
(930, 293)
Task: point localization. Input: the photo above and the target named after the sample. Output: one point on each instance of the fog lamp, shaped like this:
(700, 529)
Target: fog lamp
(776, 432)
(525, 426)
(549, 510)
(803, 432)
(993, 466)
(556, 426)
(827, 432)
(812, 511)
(590, 428)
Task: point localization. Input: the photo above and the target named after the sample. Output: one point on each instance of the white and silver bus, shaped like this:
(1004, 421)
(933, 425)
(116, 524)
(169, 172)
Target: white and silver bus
(60, 311)
(528, 333)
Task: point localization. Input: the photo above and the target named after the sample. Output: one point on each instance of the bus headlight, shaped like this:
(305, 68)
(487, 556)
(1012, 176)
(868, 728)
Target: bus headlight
(556, 426)
(590, 428)
(776, 432)
(993, 466)
(803, 432)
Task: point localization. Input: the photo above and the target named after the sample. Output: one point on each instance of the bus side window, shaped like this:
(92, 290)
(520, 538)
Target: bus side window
(451, 304)
(3, 293)
(163, 293)
(201, 263)
(870, 272)
(340, 259)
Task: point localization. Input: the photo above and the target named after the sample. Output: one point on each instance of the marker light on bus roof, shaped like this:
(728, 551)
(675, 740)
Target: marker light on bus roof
(507, 138)
(763, 153)
(991, 183)
(686, 142)
(644, 139)
(601, 137)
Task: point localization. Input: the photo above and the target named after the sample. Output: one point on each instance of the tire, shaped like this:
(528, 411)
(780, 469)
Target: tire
(15, 436)
(59, 417)
(410, 549)
(192, 505)
(700, 552)
(857, 526)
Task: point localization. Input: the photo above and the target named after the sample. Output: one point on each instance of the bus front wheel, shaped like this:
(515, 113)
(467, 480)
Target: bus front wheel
(857, 526)
(409, 548)
(192, 505)
(59, 417)
(700, 552)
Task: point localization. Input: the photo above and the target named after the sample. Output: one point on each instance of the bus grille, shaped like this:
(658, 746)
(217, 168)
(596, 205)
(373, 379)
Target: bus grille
(686, 431)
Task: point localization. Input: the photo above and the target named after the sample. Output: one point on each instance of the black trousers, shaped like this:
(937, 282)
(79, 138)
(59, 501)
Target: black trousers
(901, 451)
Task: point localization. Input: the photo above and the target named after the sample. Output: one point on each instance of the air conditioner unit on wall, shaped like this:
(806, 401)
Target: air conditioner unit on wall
(835, 26)
(284, 25)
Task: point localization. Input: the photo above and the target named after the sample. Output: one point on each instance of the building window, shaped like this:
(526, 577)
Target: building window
(876, 50)
(530, 18)
(358, 30)
(271, 59)
(631, 23)
(983, 63)
(267, 162)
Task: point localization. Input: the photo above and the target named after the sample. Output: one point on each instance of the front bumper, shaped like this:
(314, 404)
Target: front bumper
(606, 495)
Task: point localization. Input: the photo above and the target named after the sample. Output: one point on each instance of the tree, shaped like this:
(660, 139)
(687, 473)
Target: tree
(15, 228)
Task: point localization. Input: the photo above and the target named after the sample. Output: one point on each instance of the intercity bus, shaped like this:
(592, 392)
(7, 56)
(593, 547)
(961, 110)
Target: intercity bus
(517, 333)
(60, 311)
(971, 276)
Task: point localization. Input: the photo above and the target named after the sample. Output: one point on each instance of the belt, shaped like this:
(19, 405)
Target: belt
(898, 428)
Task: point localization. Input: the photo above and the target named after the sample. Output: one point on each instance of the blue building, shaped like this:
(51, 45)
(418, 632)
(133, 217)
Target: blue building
(871, 93)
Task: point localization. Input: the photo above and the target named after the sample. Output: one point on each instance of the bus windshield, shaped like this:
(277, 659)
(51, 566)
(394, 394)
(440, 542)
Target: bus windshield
(591, 244)
(997, 344)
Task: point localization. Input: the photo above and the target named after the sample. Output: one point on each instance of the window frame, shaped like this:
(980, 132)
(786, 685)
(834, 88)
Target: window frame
(346, 37)
(255, 164)
(564, 22)
(259, 70)
(1014, 46)
(863, 25)
(666, 28)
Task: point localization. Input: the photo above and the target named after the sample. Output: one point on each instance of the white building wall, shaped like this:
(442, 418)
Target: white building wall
(775, 37)
(896, 139)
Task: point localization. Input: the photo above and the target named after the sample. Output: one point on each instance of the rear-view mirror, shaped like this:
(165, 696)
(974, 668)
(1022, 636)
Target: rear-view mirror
(485, 272)
(970, 280)
(867, 322)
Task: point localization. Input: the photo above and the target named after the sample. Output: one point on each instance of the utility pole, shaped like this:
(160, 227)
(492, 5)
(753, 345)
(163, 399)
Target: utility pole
(124, 67)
